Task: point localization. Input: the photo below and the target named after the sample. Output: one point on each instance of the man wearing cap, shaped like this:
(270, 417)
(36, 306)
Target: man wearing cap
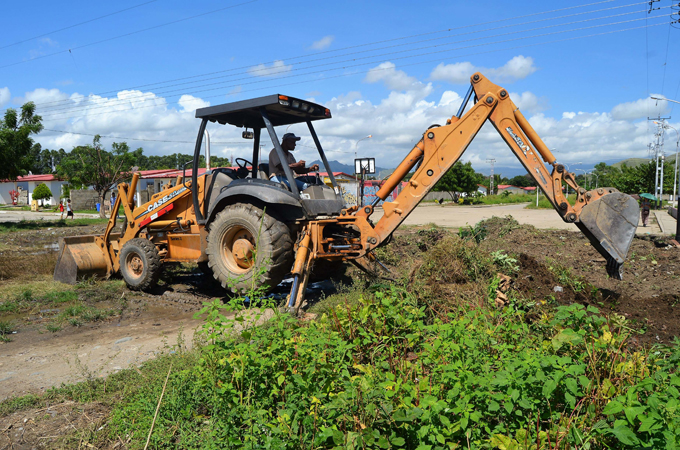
(276, 168)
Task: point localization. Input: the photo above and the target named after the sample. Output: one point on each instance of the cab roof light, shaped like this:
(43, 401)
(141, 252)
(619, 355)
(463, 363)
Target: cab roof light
(283, 97)
(328, 113)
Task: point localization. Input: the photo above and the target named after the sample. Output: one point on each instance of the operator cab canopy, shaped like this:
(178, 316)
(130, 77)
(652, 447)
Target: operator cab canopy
(269, 112)
(280, 109)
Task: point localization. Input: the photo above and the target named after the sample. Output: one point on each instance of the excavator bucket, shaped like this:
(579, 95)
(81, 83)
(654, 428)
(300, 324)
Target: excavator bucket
(610, 223)
(79, 257)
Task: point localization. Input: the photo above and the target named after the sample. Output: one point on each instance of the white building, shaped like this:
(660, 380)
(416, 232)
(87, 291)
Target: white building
(29, 183)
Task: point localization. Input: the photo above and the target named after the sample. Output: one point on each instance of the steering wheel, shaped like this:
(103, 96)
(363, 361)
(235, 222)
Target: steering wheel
(242, 163)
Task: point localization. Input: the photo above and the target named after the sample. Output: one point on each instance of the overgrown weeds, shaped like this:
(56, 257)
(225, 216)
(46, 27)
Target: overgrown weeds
(381, 374)
(6, 328)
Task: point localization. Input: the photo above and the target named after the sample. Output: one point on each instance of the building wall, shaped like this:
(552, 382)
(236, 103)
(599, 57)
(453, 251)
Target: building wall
(84, 199)
(7, 186)
(513, 190)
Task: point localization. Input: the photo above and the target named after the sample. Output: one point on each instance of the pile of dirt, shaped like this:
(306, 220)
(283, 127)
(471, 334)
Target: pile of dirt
(648, 295)
(558, 267)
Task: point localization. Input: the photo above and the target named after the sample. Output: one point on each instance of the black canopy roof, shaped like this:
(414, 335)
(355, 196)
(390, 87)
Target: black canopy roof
(246, 113)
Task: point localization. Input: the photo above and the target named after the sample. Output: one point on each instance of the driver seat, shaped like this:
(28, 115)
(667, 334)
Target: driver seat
(263, 171)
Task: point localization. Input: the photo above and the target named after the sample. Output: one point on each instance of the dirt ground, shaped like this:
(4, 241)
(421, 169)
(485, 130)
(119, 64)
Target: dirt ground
(557, 265)
(648, 295)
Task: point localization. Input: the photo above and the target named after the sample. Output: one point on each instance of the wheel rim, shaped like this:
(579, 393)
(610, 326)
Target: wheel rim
(135, 265)
(238, 249)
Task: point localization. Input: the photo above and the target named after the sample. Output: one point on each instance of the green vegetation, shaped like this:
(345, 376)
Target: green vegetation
(7, 227)
(384, 373)
(16, 129)
(505, 199)
(42, 192)
(544, 203)
(6, 328)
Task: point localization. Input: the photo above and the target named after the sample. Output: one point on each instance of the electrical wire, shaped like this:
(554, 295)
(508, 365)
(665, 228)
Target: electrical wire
(404, 65)
(77, 24)
(120, 102)
(364, 45)
(128, 34)
(111, 102)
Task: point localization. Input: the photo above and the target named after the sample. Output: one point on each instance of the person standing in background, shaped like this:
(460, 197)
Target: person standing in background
(61, 209)
(69, 210)
(645, 206)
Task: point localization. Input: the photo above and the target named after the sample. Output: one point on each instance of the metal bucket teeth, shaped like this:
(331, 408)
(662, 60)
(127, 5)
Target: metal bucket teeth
(610, 223)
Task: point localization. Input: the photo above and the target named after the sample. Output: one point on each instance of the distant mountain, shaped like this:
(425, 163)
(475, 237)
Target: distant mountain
(337, 166)
(634, 162)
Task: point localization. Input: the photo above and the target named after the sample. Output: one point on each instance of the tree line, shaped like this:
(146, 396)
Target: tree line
(21, 155)
(462, 178)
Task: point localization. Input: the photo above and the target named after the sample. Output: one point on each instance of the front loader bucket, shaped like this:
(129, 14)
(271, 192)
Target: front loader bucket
(79, 257)
(610, 223)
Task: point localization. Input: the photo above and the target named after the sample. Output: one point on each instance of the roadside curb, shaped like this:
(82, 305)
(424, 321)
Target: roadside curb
(659, 221)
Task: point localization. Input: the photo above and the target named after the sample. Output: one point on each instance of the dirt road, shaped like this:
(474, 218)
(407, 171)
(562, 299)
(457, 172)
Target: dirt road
(461, 216)
(36, 360)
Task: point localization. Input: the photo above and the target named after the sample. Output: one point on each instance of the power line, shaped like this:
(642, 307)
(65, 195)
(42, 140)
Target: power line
(129, 34)
(77, 24)
(120, 102)
(369, 44)
(112, 102)
(141, 139)
(404, 65)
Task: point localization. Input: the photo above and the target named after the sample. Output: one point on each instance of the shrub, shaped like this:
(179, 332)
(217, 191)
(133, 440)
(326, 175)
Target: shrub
(42, 192)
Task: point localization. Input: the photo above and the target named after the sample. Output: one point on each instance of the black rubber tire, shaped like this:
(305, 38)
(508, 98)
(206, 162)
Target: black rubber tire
(274, 252)
(144, 252)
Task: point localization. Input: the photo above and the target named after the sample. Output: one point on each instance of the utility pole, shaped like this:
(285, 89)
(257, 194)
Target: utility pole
(491, 161)
(659, 157)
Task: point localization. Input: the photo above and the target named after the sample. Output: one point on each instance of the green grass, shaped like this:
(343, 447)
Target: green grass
(9, 227)
(505, 199)
(6, 328)
(544, 203)
(110, 390)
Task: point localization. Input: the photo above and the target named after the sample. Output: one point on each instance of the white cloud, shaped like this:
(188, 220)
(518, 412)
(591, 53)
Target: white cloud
(49, 42)
(639, 109)
(394, 79)
(189, 103)
(397, 120)
(517, 68)
(277, 69)
(44, 96)
(4, 95)
(323, 43)
(528, 102)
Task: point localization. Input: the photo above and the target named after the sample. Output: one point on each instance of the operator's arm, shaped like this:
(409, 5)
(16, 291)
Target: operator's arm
(299, 167)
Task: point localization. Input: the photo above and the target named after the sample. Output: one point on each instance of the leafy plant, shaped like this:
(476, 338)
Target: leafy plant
(505, 262)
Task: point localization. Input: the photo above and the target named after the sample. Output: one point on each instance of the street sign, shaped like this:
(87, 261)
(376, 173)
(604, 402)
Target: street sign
(364, 165)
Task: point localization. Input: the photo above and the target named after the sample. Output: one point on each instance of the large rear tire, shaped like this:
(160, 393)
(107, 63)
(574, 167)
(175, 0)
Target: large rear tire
(243, 242)
(140, 264)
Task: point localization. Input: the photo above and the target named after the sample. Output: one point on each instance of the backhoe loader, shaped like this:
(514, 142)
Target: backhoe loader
(243, 225)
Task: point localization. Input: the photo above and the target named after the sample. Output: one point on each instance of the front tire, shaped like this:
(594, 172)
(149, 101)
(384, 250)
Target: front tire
(140, 264)
(245, 242)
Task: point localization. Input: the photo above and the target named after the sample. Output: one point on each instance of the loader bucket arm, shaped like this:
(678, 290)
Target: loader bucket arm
(607, 217)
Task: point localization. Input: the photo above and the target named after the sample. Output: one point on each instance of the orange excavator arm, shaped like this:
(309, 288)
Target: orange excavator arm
(607, 217)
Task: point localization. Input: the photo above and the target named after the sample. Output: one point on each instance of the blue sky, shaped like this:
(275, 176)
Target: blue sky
(584, 90)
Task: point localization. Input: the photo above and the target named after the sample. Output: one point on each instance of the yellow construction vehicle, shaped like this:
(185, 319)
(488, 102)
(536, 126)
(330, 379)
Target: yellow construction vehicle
(239, 220)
